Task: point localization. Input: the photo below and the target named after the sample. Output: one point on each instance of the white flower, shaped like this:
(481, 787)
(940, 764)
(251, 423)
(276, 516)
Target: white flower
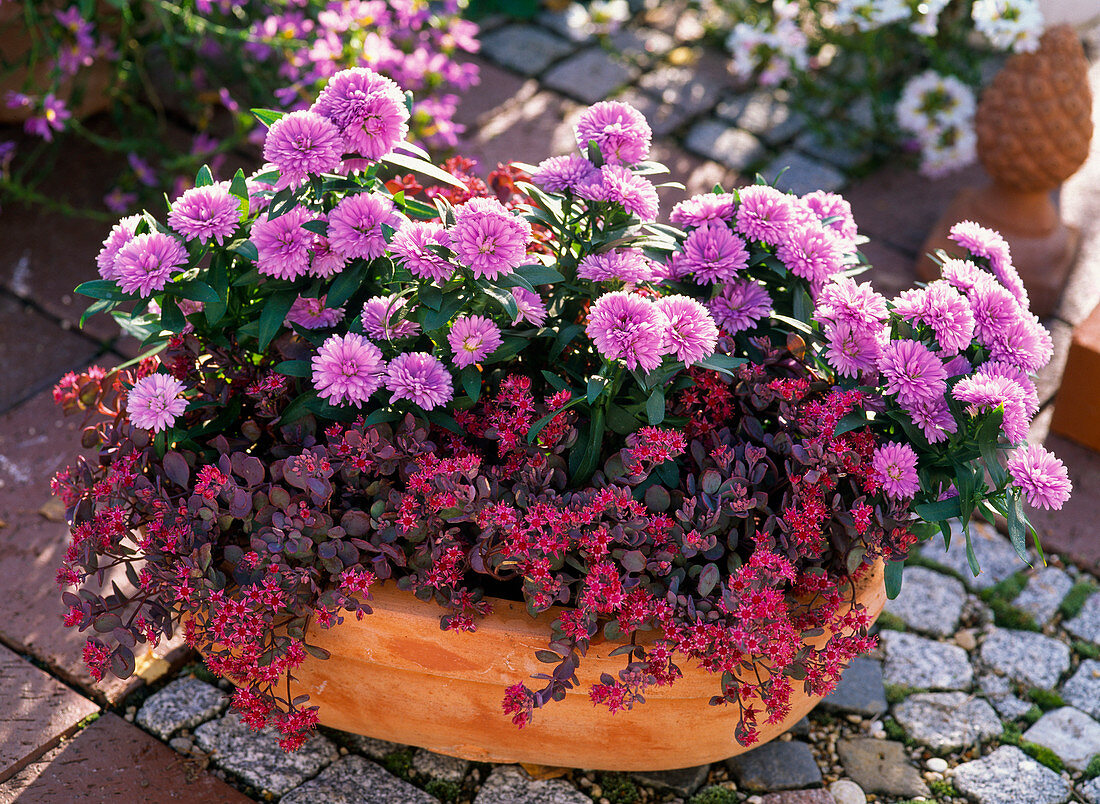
(1009, 24)
(955, 148)
(931, 102)
(867, 15)
(926, 22)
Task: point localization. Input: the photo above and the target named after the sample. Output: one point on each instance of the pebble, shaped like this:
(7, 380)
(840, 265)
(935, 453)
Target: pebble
(914, 661)
(966, 640)
(1027, 657)
(1000, 693)
(946, 721)
(1068, 732)
(936, 764)
(847, 792)
(182, 745)
(1090, 791)
(439, 766)
(1009, 776)
(929, 601)
(880, 766)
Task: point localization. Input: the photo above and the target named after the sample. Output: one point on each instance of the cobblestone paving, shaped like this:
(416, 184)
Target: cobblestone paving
(980, 698)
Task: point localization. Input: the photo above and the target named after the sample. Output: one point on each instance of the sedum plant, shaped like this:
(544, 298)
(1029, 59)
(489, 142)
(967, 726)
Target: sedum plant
(529, 388)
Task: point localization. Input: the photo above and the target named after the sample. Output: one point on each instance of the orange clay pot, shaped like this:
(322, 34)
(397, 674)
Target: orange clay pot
(394, 675)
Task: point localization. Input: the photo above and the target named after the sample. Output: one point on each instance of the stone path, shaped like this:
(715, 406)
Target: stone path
(1023, 669)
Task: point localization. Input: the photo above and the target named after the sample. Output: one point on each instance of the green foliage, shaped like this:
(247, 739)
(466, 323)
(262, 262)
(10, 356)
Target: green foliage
(446, 791)
(1092, 770)
(1043, 755)
(1007, 590)
(893, 729)
(1006, 615)
(890, 622)
(1086, 650)
(715, 794)
(399, 763)
(896, 693)
(1011, 735)
(619, 789)
(1073, 602)
(1032, 715)
(1045, 699)
(942, 789)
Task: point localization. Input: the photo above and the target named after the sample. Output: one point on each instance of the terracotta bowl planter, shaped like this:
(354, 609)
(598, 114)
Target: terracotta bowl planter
(396, 676)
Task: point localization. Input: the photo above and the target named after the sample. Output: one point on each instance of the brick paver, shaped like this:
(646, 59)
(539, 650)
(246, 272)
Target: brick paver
(113, 761)
(38, 711)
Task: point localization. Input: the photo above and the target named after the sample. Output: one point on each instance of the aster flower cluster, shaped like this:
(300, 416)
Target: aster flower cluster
(263, 50)
(831, 56)
(703, 430)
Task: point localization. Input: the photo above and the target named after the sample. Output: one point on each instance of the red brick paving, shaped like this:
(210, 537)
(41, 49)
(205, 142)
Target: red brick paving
(36, 351)
(38, 712)
(113, 762)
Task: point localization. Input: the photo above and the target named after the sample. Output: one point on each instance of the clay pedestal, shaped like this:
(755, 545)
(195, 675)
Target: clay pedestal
(1077, 408)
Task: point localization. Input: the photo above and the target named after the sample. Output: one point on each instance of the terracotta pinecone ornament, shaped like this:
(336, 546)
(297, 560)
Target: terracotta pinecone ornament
(1034, 125)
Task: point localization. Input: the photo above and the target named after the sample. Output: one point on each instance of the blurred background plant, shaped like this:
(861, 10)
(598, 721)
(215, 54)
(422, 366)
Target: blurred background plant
(177, 78)
(879, 75)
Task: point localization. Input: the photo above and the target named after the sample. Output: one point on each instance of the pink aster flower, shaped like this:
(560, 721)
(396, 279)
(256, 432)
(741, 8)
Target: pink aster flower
(853, 349)
(934, 417)
(617, 185)
(413, 243)
(301, 144)
(1025, 343)
(957, 366)
(985, 392)
(843, 301)
(982, 242)
(836, 210)
(962, 274)
(205, 213)
(282, 244)
(384, 319)
(764, 213)
(347, 369)
(530, 307)
(691, 333)
(628, 327)
(616, 265)
(560, 173)
(324, 261)
(995, 310)
(473, 338)
(368, 108)
(740, 306)
(895, 465)
(912, 371)
(619, 130)
(355, 225)
(699, 209)
(943, 309)
(1041, 476)
(811, 252)
(1019, 376)
(121, 234)
(489, 239)
(311, 313)
(146, 263)
(154, 403)
(711, 253)
(420, 378)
